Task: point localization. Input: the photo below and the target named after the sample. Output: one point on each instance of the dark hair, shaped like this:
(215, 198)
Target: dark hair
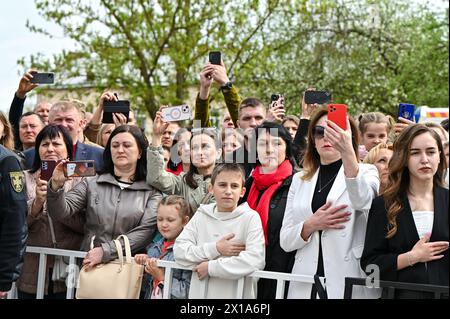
(30, 114)
(51, 131)
(142, 143)
(227, 167)
(181, 205)
(399, 178)
(276, 130)
(444, 124)
(212, 133)
(174, 148)
(311, 159)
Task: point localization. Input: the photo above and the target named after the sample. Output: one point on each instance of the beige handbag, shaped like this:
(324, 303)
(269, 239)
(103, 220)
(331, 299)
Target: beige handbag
(118, 279)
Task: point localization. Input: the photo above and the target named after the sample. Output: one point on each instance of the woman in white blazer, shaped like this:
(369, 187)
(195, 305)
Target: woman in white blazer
(327, 210)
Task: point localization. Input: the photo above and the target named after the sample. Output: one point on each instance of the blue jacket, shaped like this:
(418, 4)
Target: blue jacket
(180, 279)
(84, 152)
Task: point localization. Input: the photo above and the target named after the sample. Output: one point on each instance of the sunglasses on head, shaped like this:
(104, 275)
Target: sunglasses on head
(319, 131)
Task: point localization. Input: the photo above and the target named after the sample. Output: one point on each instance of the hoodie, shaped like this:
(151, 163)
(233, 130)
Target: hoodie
(197, 243)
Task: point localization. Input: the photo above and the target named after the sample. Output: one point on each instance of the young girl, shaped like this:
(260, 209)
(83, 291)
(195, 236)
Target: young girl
(172, 216)
(374, 128)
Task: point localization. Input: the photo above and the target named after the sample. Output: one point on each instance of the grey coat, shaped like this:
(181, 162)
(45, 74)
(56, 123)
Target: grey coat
(110, 211)
(171, 184)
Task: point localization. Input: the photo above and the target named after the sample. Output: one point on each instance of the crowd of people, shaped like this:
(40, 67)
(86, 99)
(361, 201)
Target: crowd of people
(264, 191)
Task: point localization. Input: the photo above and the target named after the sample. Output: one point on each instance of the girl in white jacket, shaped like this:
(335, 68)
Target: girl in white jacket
(223, 241)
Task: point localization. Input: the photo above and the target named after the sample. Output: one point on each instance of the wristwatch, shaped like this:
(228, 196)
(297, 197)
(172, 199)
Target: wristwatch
(227, 86)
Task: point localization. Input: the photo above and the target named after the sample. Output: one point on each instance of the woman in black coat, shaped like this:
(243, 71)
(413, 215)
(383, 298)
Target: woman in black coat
(408, 230)
(267, 191)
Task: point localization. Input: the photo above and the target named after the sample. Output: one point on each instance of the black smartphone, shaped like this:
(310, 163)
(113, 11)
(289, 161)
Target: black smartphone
(43, 78)
(79, 168)
(317, 97)
(215, 57)
(47, 168)
(110, 107)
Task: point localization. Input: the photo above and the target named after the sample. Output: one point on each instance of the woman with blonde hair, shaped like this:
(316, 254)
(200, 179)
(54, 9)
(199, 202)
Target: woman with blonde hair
(6, 134)
(380, 156)
(407, 233)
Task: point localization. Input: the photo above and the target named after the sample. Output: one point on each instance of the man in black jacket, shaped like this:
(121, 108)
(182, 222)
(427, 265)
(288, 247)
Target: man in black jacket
(13, 223)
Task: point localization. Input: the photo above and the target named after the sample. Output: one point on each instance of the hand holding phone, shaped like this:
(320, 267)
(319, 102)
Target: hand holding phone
(79, 168)
(43, 77)
(337, 113)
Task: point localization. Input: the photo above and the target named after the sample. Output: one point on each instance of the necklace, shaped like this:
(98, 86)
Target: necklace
(320, 182)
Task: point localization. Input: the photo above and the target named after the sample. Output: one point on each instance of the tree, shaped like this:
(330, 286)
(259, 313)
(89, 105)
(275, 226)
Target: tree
(371, 54)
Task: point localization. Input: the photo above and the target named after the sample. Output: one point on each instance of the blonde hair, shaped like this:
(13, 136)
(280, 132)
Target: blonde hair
(180, 205)
(64, 106)
(375, 151)
(7, 139)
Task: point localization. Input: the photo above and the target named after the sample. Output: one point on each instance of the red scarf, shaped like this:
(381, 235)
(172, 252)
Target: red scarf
(268, 183)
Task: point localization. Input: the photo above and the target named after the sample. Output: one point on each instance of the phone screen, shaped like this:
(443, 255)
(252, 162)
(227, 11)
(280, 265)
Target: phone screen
(79, 168)
(406, 111)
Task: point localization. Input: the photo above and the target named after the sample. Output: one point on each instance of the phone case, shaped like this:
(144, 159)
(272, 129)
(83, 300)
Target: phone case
(317, 97)
(337, 113)
(406, 111)
(43, 78)
(79, 168)
(177, 113)
(110, 107)
(215, 57)
(47, 168)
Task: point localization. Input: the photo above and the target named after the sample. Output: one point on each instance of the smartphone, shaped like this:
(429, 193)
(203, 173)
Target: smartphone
(43, 78)
(79, 168)
(47, 168)
(317, 97)
(110, 107)
(337, 113)
(215, 57)
(406, 111)
(177, 113)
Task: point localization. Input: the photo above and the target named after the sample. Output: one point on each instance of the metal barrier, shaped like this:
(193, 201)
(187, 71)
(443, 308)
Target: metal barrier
(391, 286)
(43, 252)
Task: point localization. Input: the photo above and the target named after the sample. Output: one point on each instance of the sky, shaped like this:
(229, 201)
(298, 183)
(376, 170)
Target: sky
(16, 41)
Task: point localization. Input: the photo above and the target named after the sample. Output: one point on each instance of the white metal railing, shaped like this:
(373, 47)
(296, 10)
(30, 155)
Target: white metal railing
(43, 252)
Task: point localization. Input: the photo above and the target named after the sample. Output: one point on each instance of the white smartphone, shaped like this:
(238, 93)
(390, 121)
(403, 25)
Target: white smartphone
(177, 113)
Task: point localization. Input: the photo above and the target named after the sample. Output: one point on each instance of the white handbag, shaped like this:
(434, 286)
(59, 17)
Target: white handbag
(118, 279)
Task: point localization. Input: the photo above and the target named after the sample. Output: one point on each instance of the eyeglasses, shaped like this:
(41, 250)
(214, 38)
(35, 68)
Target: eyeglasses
(319, 132)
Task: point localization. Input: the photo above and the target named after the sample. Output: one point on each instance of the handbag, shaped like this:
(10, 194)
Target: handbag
(60, 266)
(117, 279)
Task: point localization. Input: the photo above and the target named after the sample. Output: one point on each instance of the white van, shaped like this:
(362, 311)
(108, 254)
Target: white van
(430, 114)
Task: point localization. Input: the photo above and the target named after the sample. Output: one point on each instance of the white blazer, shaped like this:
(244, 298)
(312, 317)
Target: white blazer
(341, 248)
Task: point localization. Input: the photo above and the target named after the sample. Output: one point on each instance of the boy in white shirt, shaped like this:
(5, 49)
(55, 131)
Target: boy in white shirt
(224, 242)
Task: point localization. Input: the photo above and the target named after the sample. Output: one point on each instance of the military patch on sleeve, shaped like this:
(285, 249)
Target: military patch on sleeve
(17, 181)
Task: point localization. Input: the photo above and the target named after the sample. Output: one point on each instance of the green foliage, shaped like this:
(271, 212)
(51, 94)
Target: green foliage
(371, 54)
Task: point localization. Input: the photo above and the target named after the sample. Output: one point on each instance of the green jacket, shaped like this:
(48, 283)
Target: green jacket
(232, 100)
(171, 184)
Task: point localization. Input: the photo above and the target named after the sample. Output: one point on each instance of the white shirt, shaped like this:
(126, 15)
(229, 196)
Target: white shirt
(423, 221)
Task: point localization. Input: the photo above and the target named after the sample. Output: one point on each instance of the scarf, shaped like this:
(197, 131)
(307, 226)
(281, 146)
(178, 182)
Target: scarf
(268, 183)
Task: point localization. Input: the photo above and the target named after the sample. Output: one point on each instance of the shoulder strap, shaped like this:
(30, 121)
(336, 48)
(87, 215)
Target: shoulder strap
(52, 231)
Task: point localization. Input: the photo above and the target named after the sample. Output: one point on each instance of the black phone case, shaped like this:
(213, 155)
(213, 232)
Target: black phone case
(317, 97)
(110, 107)
(43, 78)
(215, 57)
